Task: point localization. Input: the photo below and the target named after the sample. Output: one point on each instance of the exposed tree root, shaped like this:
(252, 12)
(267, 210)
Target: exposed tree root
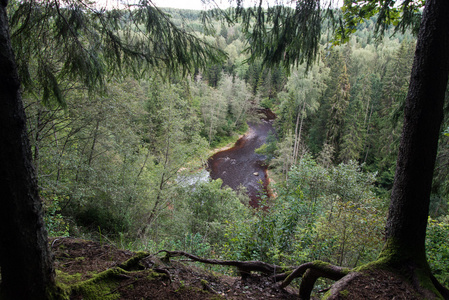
(341, 285)
(418, 275)
(440, 288)
(309, 272)
(244, 267)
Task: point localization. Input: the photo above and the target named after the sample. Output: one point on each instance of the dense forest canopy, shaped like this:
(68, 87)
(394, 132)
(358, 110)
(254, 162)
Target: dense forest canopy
(124, 107)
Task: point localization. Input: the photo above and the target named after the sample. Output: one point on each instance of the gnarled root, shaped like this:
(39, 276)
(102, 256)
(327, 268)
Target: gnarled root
(310, 272)
(244, 267)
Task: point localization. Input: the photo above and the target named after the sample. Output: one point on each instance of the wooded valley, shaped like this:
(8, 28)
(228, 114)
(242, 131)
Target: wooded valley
(121, 152)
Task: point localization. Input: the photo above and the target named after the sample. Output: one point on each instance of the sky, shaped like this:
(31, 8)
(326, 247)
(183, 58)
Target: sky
(188, 4)
(185, 4)
(197, 4)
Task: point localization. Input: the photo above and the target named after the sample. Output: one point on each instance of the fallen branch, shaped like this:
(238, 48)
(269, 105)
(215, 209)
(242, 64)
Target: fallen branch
(244, 267)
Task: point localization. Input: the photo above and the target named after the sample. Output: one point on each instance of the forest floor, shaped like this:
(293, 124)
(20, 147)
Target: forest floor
(101, 271)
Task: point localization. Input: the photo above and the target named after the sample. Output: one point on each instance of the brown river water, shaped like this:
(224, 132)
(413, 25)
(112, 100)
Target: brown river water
(240, 165)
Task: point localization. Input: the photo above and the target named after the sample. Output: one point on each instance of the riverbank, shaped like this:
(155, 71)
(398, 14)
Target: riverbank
(240, 165)
(229, 145)
(230, 141)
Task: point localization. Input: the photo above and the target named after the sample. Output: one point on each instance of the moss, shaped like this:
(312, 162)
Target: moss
(426, 283)
(344, 293)
(326, 295)
(394, 254)
(59, 291)
(323, 264)
(152, 275)
(396, 259)
(204, 282)
(66, 278)
(101, 286)
(406, 262)
(134, 262)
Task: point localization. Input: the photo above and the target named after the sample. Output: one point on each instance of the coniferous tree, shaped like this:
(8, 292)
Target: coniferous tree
(22, 233)
(357, 120)
(389, 110)
(353, 135)
(65, 40)
(339, 101)
(406, 225)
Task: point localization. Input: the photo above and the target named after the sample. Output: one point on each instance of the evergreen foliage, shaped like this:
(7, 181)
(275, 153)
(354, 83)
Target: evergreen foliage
(57, 43)
(117, 152)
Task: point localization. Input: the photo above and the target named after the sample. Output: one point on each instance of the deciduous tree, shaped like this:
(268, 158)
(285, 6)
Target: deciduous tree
(66, 38)
(404, 250)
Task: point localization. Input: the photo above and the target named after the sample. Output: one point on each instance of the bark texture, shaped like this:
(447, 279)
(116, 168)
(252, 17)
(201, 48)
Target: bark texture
(409, 208)
(26, 264)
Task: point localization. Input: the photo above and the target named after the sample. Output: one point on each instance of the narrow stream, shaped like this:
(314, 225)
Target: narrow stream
(240, 165)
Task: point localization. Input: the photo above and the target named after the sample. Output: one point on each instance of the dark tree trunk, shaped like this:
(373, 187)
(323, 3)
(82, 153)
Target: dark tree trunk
(408, 213)
(26, 264)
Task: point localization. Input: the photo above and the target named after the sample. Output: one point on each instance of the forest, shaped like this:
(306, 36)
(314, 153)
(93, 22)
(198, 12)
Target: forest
(125, 162)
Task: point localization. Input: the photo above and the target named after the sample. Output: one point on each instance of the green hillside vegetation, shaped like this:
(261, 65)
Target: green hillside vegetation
(109, 164)
(123, 163)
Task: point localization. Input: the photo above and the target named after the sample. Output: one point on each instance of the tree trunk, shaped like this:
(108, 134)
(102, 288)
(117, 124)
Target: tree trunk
(408, 212)
(94, 142)
(37, 139)
(26, 265)
(298, 129)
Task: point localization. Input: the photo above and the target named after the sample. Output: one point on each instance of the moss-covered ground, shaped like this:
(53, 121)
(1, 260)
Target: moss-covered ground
(90, 270)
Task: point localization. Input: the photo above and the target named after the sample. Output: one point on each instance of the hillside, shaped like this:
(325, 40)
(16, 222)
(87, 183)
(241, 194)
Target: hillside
(92, 270)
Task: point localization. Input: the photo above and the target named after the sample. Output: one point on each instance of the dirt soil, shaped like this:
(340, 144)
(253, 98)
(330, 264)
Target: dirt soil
(80, 260)
(377, 284)
(178, 279)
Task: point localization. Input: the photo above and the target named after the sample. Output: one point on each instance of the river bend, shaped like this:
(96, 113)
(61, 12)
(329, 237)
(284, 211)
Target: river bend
(240, 165)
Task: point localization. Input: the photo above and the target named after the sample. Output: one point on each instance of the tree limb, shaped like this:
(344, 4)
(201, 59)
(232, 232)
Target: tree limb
(244, 267)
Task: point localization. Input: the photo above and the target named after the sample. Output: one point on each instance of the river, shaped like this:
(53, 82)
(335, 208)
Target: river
(240, 165)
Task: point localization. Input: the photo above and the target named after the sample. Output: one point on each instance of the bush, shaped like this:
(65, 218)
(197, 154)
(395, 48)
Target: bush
(108, 220)
(438, 249)
(319, 213)
(209, 207)
(53, 219)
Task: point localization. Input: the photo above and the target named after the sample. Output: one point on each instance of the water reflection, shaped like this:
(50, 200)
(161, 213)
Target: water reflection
(240, 165)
